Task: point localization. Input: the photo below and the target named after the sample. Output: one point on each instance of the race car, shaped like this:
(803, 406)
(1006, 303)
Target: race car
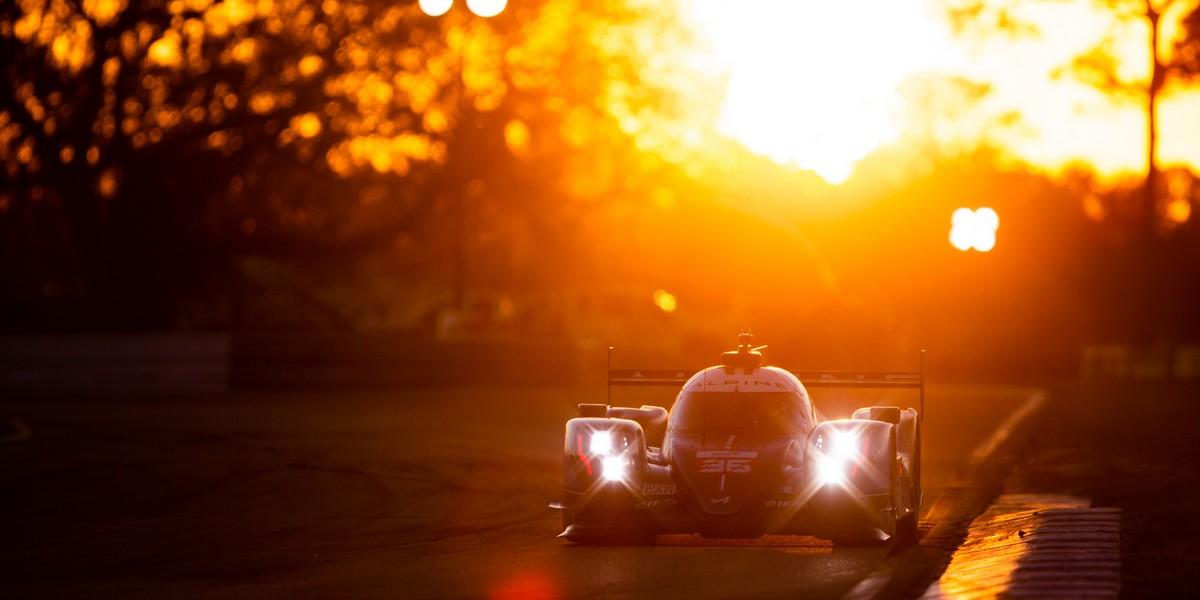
(741, 455)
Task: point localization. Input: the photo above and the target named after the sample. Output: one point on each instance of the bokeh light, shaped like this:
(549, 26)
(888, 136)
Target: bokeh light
(526, 585)
(310, 65)
(1179, 211)
(516, 136)
(487, 8)
(665, 301)
(974, 229)
(307, 125)
(106, 184)
(165, 51)
(436, 8)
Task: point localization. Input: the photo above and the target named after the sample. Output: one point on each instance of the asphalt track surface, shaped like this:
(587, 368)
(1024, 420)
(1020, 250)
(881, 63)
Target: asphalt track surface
(427, 492)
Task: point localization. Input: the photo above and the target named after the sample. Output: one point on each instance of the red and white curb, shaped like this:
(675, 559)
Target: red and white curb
(1037, 546)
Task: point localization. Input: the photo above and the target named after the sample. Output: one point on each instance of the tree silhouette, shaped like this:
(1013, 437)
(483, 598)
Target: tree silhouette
(1099, 66)
(1185, 61)
(133, 118)
(146, 143)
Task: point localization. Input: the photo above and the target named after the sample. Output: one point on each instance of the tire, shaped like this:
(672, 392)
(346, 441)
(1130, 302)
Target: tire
(863, 538)
(891, 527)
(906, 528)
(624, 538)
(610, 538)
(916, 477)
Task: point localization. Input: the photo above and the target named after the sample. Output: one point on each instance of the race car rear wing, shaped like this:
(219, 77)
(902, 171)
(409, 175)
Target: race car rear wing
(838, 379)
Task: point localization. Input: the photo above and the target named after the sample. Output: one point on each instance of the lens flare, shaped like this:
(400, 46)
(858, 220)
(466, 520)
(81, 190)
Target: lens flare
(830, 470)
(843, 445)
(601, 442)
(614, 468)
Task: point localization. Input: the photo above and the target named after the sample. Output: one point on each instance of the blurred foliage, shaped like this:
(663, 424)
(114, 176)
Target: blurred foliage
(148, 139)
(1136, 79)
(293, 164)
(366, 89)
(1186, 52)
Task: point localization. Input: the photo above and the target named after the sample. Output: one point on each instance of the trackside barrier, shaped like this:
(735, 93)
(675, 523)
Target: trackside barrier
(1154, 363)
(142, 363)
(219, 362)
(370, 360)
(216, 363)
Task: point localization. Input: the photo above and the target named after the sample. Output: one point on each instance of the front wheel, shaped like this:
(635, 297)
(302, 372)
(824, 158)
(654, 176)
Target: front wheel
(885, 526)
(591, 536)
(592, 533)
(906, 529)
(858, 537)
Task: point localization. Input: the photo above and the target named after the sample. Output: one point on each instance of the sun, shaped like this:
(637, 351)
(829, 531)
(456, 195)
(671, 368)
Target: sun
(814, 84)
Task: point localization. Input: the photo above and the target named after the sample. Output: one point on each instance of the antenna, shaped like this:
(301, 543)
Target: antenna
(747, 356)
(608, 379)
(921, 417)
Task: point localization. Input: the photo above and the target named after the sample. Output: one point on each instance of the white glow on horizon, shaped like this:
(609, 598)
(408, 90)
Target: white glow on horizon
(817, 86)
(814, 84)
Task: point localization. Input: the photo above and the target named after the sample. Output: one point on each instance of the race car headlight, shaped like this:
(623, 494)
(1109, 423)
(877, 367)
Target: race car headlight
(843, 444)
(840, 452)
(601, 443)
(614, 468)
(831, 470)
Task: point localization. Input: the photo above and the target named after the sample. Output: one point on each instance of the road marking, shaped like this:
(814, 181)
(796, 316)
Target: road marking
(20, 431)
(1034, 546)
(1006, 429)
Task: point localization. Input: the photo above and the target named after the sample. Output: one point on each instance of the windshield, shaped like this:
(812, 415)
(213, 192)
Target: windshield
(737, 412)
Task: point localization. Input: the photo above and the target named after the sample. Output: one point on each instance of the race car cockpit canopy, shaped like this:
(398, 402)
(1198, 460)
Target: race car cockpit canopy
(742, 372)
(762, 413)
(743, 396)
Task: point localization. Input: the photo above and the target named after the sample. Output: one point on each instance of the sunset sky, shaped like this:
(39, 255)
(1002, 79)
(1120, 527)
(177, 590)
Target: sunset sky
(820, 85)
(813, 85)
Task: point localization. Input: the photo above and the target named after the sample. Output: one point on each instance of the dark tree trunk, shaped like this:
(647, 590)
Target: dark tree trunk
(1157, 74)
